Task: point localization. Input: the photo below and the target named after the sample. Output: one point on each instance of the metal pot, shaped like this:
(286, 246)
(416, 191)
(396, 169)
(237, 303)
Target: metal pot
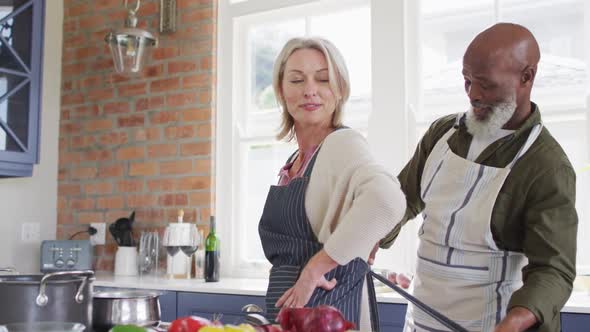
(43, 327)
(125, 307)
(64, 296)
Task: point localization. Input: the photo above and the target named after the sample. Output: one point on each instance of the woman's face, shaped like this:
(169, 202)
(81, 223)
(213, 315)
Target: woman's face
(306, 89)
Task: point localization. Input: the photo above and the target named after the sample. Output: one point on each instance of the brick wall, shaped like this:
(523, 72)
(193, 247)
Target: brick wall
(139, 143)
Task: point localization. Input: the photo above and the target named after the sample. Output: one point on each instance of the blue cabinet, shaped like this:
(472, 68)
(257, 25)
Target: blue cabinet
(575, 322)
(227, 308)
(391, 317)
(168, 303)
(21, 48)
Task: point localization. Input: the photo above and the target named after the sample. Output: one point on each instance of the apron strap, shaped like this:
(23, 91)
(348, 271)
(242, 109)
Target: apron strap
(535, 132)
(442, 148)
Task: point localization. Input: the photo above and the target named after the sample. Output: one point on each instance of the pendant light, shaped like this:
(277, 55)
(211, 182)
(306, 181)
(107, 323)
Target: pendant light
(130, 46)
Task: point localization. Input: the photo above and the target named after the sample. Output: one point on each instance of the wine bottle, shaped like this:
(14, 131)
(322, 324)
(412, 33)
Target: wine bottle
(212, 254)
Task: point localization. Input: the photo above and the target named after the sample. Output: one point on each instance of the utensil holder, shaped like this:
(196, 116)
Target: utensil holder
(126, 261)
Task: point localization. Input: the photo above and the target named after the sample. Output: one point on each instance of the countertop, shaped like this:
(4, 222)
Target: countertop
(579, 302)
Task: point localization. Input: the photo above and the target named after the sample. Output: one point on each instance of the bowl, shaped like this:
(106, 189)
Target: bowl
(43, 327)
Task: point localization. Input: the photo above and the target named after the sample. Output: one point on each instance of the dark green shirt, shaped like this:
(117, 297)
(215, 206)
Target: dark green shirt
(534, 212)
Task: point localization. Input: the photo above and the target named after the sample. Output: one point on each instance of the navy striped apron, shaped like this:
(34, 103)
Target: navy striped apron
(288, 242)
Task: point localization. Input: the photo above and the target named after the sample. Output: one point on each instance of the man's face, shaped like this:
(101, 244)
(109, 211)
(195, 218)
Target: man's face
(492, 92)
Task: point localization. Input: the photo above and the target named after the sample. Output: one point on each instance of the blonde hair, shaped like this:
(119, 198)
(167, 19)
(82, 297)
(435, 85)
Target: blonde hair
(337, 75)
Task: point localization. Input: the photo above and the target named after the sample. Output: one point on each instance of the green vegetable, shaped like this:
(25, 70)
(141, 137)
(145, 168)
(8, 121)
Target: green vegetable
(128, 328)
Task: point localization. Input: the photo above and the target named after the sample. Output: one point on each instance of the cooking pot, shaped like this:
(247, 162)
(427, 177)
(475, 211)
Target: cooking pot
(43, 327)
(135, 307)
(64, 296)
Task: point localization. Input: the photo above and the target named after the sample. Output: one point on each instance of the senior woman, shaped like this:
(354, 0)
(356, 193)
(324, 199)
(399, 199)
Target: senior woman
(333, 202)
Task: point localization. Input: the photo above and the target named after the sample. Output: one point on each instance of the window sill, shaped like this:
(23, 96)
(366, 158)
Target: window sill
(12, 169)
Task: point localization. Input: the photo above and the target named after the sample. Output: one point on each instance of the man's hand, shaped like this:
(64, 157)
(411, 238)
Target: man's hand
(399, 279)
(505, 327)
(518, 319)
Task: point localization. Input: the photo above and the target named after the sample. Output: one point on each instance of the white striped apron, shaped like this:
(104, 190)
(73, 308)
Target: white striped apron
(460, 271)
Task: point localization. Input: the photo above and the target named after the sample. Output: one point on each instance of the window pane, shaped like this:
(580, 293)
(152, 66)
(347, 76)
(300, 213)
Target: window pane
(446, 29)
(265, 43)
(350, 31)
(8, 82)
(447, 9)
(14, 111)
(562, 71)
(564, 37)
(263, 162)
(17, 32)
(6, 142)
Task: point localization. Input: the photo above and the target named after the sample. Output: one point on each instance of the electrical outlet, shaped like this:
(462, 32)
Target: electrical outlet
(101, 233)
(30, 232)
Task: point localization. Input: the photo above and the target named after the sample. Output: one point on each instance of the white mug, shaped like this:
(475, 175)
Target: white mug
(126, 261)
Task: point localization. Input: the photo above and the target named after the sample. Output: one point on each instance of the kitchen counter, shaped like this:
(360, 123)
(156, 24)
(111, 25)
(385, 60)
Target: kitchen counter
(233, 286)
(579, 302)
(242, 286)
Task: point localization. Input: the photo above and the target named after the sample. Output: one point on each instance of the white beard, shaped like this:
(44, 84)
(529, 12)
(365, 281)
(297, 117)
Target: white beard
(501, 113)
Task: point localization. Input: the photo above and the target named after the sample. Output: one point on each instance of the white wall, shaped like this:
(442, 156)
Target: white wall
(34, 199)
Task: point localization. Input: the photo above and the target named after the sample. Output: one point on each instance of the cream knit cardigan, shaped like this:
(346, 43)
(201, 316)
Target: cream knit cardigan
(351, 201)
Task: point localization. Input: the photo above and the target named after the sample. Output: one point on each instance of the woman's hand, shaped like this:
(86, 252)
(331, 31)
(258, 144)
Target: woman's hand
(310, 278)
(298, 295)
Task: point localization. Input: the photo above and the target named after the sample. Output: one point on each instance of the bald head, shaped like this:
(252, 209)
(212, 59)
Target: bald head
(506, 44)
(499, 68)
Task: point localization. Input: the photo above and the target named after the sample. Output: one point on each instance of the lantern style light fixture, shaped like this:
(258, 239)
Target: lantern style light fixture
(130, 45)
